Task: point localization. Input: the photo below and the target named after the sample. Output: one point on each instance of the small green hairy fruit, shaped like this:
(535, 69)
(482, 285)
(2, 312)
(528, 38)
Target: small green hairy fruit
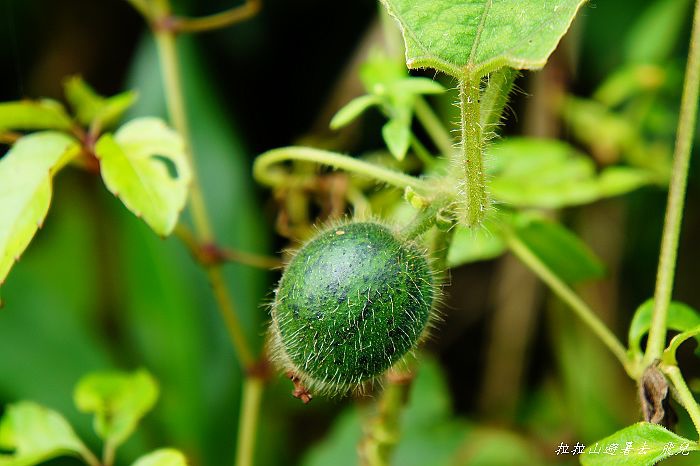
(351, 303)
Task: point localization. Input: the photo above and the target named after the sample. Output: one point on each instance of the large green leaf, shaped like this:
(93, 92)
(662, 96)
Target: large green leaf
(162, 457)
(474, 37)
(36, 434)
(479, 243)
(145, 165)
(92, 108)
(641, 444)
(681, 318)
(25, 190)
(33, 114)
(561, 250)
(118, 400)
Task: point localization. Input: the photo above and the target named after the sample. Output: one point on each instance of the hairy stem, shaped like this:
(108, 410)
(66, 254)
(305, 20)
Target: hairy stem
(248, 420)
(170, 69)
(434, 127)
(683, 393)
(470, 160)
(383, 432)
(219, 20)
(425, 218)
(567, 295)
(676, 196)
(265, 174)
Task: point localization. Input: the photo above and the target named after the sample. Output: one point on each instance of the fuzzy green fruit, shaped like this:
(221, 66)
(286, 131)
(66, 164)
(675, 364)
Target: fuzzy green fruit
(350, 304)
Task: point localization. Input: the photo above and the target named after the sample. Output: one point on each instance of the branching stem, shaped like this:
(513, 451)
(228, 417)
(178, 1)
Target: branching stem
(676, 196)
(219, 20)
(683, 393)
(170, 69)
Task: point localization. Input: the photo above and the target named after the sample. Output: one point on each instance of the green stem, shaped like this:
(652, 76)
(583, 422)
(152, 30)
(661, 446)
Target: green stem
(108, 453)
(89, 457)
(167, 51)
(683, 393)
(434, 127)
(248, 420)
(471, 157)
(263, 172)
(384, 431)
(424, 219)
(220, 20)
(567, 295)
(676, 196)
(421, 152)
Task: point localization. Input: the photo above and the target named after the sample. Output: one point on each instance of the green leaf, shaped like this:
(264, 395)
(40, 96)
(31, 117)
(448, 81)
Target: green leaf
(91, 107)
(561, 250)
(475, 244)
(144, 164)
(352, 110)
(474, 37)
(33, 115)
(397, 135)
(530, 172)
(645, 444)
(36, 434)
(118, 400)
(162, 457)
(25, 190)
(655, 34)
(681, 318)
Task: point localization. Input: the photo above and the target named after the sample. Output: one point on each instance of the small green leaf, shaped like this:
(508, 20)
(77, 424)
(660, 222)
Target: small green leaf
(35, 434)
(380, 71)
(25, 190)
(681, 318)
(397, 135)
(352, 110)
(118, 400)
(162, 457)
(561, 250)
(91, 107)
(475, 244)
(417, 86)
(33, 115)
(136, 165)
(641, 444)
(475, 37)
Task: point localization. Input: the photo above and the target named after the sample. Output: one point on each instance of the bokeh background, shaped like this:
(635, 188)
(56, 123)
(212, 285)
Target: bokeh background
(509, 370)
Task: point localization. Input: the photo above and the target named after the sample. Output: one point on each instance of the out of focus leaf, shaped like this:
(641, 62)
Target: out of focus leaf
(477, 37)
(91, 107)
(547, 173)
(32, 115)
(145, 165)
(26, 172)
(562, 251)
(656, 32)
(628, 82)
(397, 135)
(681, 318)
(36, 434)
(475, 244)
(162, 457)
(352, 110)
(118, 401)
(647, 444)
